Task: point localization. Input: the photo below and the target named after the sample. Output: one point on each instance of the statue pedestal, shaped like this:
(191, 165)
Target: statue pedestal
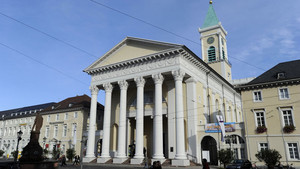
(32, 152)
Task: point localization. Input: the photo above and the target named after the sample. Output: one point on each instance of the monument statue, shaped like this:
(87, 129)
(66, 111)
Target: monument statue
(38, 123)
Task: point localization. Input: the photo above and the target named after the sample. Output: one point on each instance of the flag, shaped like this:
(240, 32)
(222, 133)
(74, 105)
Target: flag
(222, 126)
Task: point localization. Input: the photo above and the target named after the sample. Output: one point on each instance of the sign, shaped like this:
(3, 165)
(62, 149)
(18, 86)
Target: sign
(215, 127)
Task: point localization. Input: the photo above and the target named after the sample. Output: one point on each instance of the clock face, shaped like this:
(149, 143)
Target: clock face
(210, 40)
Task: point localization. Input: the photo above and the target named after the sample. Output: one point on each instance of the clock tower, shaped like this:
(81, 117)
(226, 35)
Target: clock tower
(213, 44)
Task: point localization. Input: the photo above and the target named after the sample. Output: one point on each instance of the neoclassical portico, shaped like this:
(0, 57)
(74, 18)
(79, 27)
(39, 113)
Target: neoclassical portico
(151, 91)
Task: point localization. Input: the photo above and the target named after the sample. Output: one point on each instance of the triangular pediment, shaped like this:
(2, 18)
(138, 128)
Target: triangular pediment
(131, 48)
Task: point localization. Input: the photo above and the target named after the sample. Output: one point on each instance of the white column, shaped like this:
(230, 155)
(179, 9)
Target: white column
(106, 123)
(90, 155)
(180, 145)
(157, 119)
(122, 120)
(139, 147)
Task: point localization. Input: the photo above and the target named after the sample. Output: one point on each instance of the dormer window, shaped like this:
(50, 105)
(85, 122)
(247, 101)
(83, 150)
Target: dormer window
(281, 75)
(53, 107)
(12, 114)
(70, 104)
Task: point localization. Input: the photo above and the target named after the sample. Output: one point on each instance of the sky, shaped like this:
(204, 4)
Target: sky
(46, 45)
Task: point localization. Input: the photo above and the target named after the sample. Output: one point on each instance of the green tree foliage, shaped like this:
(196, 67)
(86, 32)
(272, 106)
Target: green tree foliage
(269, 156)
(225, 156)
(1, 153)
(71, 153)
(56, 153)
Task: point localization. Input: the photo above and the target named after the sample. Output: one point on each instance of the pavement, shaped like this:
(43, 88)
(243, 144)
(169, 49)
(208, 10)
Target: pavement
(126, 166)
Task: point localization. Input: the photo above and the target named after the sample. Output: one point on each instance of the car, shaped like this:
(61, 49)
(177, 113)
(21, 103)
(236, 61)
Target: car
(239, 164)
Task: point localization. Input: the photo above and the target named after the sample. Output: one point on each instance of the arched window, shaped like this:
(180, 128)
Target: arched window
(223, 53)
(211, 54)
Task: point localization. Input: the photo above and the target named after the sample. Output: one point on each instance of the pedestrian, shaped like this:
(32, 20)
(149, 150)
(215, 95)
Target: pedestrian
(280, 166)
(63, 160)
(156, 165)
(205, 163)
(76, 161)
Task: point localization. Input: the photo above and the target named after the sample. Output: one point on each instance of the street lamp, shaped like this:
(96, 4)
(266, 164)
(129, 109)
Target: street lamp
(17, 151)
(81, 154)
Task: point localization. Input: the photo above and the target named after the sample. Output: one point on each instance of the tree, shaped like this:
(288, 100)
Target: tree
(269, 156)
(225, 156)
(1, 153)
(56, 153)
(71, 153)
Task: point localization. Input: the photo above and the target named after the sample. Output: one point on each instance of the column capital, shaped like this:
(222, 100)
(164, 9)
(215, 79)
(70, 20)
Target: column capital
(94, 90)
(140, 81)
(158, 78)
(108, 87)
(178, 74)
(123, 84)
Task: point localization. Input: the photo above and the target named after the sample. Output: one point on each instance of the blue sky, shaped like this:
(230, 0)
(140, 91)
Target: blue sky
(36, 68)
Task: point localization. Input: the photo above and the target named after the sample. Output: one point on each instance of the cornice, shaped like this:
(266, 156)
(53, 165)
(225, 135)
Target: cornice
(269, 84)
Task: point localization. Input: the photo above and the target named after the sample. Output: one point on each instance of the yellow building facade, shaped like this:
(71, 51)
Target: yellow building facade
(271, 105)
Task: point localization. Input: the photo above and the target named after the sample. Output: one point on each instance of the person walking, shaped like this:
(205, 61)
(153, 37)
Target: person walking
(205, 164)
(76, 161)
(63, 160)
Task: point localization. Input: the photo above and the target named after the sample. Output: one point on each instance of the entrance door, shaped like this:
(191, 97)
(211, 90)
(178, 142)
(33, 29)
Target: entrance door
(209, 148)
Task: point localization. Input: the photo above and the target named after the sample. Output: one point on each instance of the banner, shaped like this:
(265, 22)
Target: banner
(215, 127)
(222, 126)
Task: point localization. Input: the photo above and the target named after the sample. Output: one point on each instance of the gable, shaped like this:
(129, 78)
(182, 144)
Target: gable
(130, 48)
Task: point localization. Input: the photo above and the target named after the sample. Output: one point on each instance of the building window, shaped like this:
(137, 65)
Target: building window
(257, 97)
(284, 93)
(55, 131)
(75, 114)
(242, 150)
(74, 128)
(293, 151)
(48, 118)
(65, 131)
(47, 132)
(223, 53)
(211, 54)
(263, 146)
(287, 117)
(260, 118)
(66, 116)
(235, 153)
(57, 117)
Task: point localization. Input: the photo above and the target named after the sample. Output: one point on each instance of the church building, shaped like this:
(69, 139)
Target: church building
(162, 101)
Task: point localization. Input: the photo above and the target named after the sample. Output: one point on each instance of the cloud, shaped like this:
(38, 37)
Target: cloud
(282, 41)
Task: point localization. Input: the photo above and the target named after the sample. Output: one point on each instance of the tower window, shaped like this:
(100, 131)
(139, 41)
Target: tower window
(223, 53)
(211, 54)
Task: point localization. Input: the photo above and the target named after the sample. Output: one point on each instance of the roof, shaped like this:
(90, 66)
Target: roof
(281, 72)
(211, 18)
(25, 111)
(83, 101)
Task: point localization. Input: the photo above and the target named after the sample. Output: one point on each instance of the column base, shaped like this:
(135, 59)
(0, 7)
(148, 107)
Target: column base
(119, 160)
(136, 160)
(88, 159)
(103, 159)
(181, 163)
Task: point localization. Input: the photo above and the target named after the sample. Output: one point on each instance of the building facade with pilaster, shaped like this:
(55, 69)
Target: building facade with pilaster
(162, 100)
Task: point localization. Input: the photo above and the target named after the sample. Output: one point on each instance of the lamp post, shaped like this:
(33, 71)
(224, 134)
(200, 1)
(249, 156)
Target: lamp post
(81, 153)
(17, 150)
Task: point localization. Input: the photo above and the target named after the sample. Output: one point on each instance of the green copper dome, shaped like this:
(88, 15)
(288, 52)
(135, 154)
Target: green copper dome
(211, 18)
